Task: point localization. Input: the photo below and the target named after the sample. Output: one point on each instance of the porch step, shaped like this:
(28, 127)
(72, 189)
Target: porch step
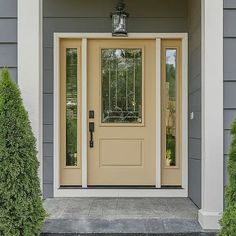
(122, 216)
(131, 234)
(121, 227)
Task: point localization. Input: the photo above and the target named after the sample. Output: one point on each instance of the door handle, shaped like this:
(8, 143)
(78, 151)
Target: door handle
(91, 130)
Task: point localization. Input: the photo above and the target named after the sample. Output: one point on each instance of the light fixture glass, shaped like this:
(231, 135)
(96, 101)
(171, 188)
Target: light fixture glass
(119, 20)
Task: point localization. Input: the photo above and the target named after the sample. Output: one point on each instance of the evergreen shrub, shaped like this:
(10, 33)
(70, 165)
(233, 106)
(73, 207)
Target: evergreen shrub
(21, 206)
(228, 221)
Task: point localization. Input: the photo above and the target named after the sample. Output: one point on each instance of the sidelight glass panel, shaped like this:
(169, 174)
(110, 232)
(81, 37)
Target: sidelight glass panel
(121, 85)
(170, 109)
(71, 106)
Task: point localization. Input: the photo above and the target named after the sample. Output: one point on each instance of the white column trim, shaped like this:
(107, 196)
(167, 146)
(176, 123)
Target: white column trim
(29, 66)
(209, 220)
(212, 113)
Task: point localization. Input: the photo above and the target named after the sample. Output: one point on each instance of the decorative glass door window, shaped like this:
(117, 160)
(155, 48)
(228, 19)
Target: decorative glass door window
(170, 106)
(71, 106)
(121, 85)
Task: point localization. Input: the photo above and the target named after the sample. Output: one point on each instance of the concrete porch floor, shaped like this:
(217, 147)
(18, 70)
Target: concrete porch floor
(127, 216)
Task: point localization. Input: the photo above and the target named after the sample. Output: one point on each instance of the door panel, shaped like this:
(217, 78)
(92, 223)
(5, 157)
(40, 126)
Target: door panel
(121, 92)
(121, 149)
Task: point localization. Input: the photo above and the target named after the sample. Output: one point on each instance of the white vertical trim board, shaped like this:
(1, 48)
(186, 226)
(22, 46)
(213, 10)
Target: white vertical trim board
(56, 115)
(158, 192)
(84, 113)
(30, 66)
(158, 113)
(40, 148)
(212, 113)
(185, 111)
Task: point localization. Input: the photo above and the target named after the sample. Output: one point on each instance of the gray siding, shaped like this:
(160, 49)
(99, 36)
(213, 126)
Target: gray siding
(229, 74)
(194, 94)
(93, 16)
(8, 36)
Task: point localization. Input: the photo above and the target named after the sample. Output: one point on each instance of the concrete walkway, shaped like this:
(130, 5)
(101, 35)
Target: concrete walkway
(115, 216)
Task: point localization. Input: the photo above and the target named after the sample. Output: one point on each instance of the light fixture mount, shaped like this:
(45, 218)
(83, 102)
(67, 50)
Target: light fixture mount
(119, 20)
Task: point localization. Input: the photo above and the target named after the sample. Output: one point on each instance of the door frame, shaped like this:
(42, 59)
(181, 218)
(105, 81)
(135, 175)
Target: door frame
(87, 192)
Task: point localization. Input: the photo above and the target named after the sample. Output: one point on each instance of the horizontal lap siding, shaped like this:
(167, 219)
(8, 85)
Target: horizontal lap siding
(8, 36)
(93, 16)
(102, 8)
(194, 103)
(229, 74)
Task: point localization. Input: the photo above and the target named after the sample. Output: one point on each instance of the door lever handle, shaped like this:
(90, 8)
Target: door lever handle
(91, 130)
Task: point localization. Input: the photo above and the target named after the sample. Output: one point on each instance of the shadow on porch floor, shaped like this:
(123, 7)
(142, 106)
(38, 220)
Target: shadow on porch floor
(127, 216)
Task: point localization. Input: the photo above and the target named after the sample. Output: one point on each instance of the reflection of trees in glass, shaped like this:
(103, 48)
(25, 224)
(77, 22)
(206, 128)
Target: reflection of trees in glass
(71, 141)
(71, 107)
(171, 111)
(121, 85)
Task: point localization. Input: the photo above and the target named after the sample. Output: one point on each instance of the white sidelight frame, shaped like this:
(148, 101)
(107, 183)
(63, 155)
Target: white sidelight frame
(84, 192)
(212, 104)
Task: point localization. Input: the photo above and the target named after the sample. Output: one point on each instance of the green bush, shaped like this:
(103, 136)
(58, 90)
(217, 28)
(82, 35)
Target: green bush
(21, 208)
(228, 221)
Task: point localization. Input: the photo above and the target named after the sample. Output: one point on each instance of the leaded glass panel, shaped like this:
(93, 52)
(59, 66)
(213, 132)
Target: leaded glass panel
(170, 121)
(71, 106)
(121, 85)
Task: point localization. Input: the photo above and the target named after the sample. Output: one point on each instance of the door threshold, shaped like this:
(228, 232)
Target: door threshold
(73, 191)
(119, 187)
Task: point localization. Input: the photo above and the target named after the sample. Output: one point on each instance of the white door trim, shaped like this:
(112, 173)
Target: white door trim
(212, 114)
(56, 113)
(84, 113)
(84, 192)
(158, 113)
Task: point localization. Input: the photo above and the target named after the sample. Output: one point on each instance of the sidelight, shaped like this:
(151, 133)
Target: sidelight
(170, 106)
(71, 107)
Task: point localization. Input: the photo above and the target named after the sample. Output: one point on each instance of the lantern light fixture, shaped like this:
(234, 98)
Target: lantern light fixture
(119, 20)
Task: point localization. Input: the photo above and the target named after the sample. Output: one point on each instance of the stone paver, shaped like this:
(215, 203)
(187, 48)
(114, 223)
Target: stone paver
(127, 216)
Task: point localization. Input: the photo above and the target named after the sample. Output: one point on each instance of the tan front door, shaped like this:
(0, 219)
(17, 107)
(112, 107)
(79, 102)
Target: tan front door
(121, 98)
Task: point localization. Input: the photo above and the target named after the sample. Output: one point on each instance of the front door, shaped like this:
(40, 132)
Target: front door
(121, 112)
